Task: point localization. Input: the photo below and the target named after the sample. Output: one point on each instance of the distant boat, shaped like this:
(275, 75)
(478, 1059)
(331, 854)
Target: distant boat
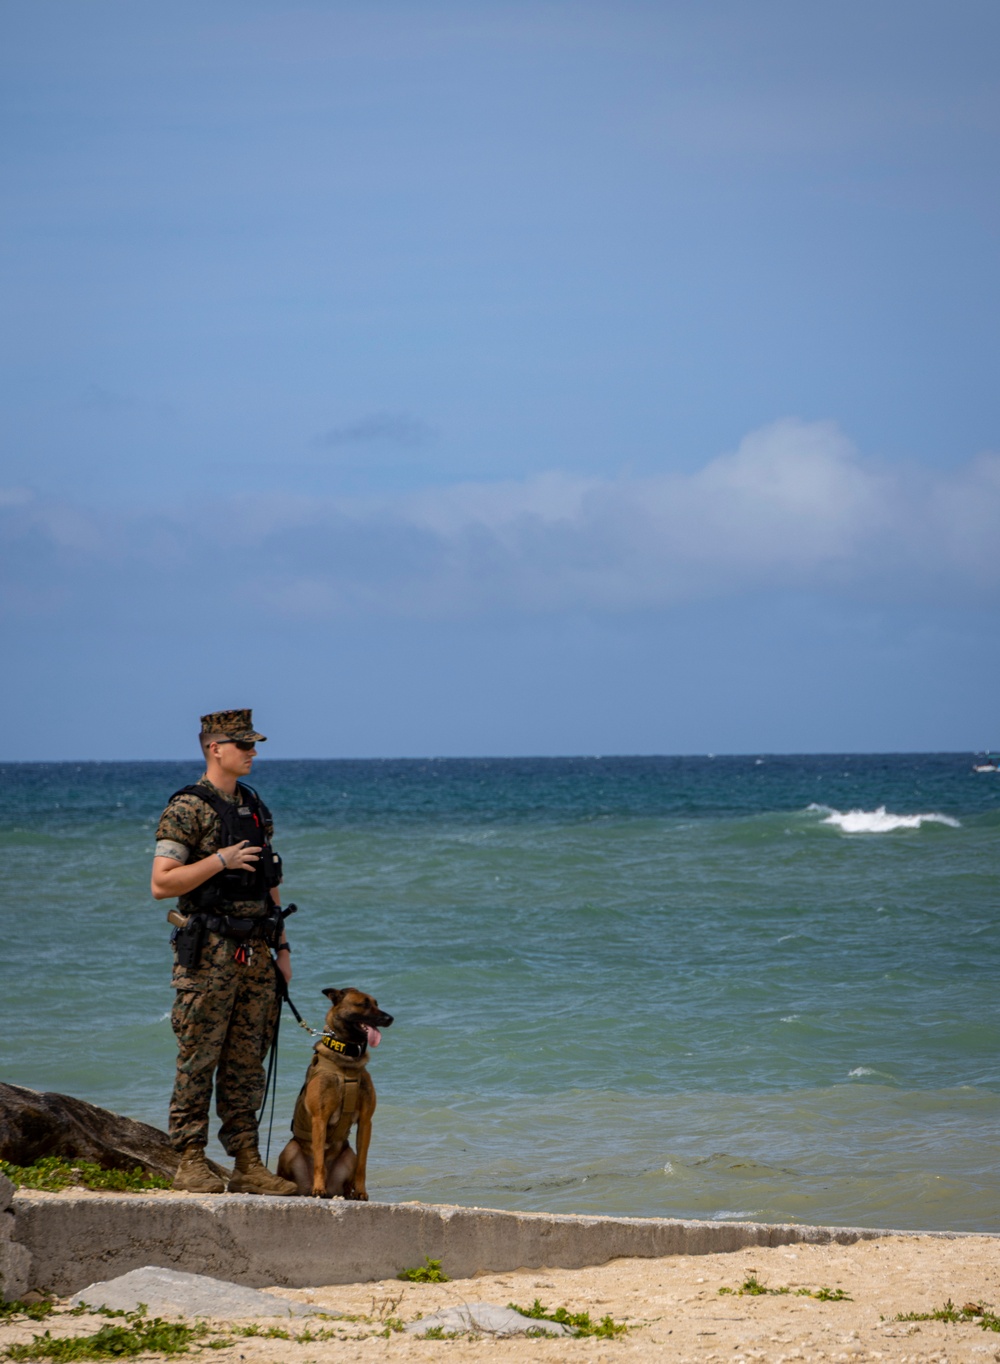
(986, 762)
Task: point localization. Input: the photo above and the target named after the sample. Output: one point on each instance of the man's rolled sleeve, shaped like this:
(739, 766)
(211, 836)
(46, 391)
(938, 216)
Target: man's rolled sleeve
(166, 847)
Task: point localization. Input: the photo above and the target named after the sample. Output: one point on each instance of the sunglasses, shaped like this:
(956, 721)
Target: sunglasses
(244, 745)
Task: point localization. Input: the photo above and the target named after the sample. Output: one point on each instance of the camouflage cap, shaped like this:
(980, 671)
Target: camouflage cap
(234, 724)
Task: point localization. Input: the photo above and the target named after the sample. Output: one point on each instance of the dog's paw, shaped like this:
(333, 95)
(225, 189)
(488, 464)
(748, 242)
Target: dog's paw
(357, 1195)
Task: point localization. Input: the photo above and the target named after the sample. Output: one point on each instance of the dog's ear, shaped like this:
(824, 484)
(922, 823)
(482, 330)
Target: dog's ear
(335, 996)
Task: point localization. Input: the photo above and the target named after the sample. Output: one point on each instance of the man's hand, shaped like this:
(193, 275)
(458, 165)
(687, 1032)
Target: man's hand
(239, 856)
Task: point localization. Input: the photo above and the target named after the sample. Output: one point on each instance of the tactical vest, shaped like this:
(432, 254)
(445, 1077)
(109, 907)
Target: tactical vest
(246, 820)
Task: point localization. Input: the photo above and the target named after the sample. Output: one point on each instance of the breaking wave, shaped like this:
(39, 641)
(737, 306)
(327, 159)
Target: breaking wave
(879, 821)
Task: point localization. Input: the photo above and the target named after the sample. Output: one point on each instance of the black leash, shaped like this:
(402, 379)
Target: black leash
(288, 1000)
(271, 1083)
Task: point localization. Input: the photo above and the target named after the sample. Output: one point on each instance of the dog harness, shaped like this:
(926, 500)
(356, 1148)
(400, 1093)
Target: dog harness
(302, 1122)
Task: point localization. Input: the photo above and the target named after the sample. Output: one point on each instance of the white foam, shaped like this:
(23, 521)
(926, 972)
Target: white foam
(879, 821)
(859, 1071)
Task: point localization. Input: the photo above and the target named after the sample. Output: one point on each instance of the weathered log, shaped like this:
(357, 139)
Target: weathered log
(33, 1125)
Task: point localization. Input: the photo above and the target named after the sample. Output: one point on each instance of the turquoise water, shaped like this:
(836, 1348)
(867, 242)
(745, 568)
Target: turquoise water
(690, 986)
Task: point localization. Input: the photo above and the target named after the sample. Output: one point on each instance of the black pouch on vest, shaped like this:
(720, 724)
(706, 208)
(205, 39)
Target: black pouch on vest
(189, 940)
(240, 929)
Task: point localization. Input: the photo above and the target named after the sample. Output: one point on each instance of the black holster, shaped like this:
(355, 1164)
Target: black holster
(188, 941)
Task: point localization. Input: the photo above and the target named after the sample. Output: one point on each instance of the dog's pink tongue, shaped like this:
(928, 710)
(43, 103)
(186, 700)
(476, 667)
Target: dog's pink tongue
(374, 1036)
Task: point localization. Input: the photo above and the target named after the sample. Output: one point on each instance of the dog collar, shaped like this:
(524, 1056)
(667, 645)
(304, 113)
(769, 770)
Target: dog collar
(352, 1049)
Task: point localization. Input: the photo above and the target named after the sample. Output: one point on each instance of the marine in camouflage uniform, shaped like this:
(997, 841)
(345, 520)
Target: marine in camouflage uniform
(225, 1007)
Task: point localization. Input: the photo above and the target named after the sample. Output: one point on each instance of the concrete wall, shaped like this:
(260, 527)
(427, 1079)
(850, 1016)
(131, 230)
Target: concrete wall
(299, 1242)
(15, 1262)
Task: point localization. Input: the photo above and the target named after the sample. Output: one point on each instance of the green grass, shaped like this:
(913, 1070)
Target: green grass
(86, 1309)
(580, 1322)
(61, 1172)
(268, 1332)
(137, 1333)
(972, 1311)
(753, 1288)
(37, 1311)
(429, 1272)
(141, 1335)
(308, 1337)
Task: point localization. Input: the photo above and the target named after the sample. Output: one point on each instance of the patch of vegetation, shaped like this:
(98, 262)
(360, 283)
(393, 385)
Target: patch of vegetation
(53, 1173)
(972, 1311)
(141, 1335)
(84, 1309)
(753, 1288)
(429, 1272)
(438, 1333)
(308, 1337)
(580, 1322)
(384, 1313)
(37, 1311)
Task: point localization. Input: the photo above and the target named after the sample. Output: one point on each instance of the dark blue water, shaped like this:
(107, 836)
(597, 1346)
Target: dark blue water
(701, 986)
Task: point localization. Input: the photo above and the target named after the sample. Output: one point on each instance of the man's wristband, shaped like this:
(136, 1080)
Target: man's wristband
(282, 947)
(222, 860)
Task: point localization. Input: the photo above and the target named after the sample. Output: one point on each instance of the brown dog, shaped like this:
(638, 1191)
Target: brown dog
(338, 1092)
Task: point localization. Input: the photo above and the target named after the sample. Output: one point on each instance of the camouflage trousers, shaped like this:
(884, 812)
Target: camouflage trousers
(223, 1024)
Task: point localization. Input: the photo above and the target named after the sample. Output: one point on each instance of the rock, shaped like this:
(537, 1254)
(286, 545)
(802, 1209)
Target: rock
(33, 1125)
(168, 1292)
(6, 1192)
(486, 1319)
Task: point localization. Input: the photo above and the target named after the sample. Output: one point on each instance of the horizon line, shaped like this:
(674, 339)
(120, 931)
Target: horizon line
(536, 757)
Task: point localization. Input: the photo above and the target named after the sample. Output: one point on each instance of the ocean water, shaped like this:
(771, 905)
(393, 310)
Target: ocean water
(709, 987)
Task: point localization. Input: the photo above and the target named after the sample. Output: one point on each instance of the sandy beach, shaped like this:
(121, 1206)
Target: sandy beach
(673, 1308)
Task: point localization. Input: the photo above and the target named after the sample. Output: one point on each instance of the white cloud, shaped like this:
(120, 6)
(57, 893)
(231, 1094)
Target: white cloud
(794, 506)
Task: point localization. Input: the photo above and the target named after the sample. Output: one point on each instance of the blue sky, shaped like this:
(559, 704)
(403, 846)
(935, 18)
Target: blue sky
(464, 378)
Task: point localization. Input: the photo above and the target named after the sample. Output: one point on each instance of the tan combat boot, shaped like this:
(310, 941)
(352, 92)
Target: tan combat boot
(252, 1176)
(195, 1175)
